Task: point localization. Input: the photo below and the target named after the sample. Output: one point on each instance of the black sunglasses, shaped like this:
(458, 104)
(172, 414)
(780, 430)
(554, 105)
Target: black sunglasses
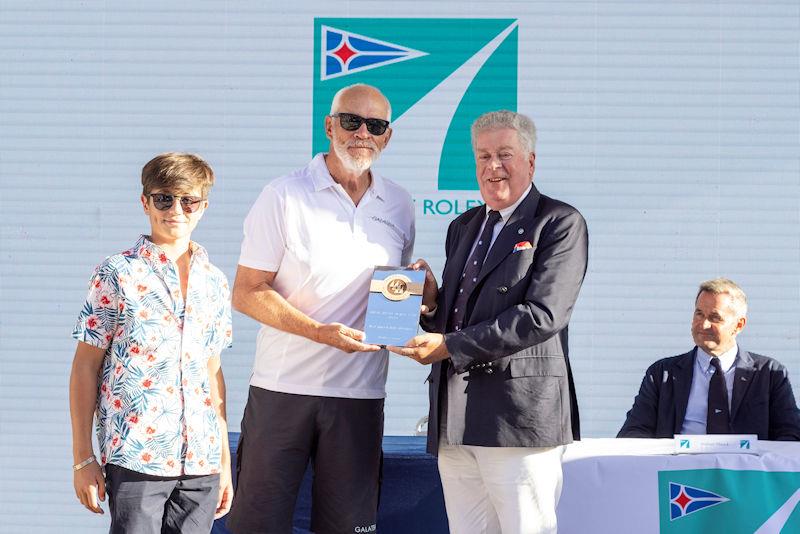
(164, 202)
(352, 122)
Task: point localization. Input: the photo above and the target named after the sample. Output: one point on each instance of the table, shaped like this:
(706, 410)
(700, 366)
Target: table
(623, 486)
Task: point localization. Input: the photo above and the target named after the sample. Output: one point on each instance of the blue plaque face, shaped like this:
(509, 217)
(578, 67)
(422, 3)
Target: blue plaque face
(395, 296)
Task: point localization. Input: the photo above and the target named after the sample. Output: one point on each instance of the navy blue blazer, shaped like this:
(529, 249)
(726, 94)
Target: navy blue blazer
(763, 402)
(513, 349)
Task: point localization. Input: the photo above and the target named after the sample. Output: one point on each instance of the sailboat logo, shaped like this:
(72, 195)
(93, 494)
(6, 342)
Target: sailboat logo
(439, 74)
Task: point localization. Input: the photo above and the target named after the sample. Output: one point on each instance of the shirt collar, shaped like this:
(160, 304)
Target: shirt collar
(726, 359)
(157, 259)
(505, 213)
(378, 186)
(320, 175)
(322, 179)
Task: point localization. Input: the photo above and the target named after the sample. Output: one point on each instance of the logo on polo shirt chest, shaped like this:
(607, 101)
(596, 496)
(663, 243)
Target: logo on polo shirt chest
(390, 224)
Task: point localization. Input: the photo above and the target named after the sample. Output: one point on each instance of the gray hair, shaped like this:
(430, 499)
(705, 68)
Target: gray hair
(337, 98)
(498, 120)
(720, 286)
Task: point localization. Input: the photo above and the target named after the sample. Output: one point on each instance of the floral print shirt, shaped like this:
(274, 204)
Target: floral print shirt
(154, 409)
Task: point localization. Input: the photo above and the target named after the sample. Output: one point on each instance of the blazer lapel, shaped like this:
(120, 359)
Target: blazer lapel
(518, 225)
(464, 238)
(681, 386)
(742, 378)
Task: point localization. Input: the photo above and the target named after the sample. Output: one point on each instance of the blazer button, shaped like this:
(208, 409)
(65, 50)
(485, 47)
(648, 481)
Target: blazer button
(502, 289)
(489, 371)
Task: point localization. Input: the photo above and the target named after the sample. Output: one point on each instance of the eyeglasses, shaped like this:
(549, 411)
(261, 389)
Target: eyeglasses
(163, 202)
(352, 122)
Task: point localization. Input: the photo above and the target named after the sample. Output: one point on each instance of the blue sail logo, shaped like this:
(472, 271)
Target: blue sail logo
(685, 500)
(346, 53)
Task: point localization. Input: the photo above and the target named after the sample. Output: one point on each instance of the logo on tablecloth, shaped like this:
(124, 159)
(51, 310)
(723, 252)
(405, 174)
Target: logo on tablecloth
(685, 500)
(728, 500)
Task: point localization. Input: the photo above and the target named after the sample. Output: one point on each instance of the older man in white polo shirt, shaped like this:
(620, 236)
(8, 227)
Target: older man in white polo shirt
(311, 241)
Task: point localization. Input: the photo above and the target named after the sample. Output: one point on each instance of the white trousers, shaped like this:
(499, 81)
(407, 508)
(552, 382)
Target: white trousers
(494, 490)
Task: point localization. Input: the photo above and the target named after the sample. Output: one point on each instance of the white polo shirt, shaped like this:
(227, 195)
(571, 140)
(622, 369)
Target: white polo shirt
(323, 248)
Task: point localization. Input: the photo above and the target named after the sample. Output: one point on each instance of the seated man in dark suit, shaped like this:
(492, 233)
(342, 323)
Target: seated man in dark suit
(715, 388)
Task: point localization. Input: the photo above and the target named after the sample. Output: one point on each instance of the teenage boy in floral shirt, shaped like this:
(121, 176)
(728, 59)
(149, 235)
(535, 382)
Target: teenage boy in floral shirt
(148, 365)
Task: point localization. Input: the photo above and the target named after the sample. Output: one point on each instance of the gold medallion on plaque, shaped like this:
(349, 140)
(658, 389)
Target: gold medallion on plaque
(396, 287)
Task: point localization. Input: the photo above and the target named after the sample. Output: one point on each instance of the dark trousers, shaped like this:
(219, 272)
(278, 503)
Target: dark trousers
(281, 432)
(145, 504)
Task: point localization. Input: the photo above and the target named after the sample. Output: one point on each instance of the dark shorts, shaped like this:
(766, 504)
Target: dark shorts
(147, 504)
(281, 432)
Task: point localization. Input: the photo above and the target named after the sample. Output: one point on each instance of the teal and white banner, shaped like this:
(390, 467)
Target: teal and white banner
(439, 74)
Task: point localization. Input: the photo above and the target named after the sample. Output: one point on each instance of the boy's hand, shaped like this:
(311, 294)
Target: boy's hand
(225, 498)
(90, 486)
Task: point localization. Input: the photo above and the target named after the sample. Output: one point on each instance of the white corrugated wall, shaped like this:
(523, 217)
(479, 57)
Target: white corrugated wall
(673, 126)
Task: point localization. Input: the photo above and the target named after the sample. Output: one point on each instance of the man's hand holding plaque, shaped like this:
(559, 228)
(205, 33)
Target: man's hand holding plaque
(425, 348)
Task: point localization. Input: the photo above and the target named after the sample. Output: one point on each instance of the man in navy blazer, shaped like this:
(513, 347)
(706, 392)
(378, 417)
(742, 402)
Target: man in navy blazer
(502, 399)
(676, 393)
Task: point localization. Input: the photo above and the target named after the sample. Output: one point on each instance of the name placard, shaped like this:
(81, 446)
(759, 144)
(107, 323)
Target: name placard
(716, 443)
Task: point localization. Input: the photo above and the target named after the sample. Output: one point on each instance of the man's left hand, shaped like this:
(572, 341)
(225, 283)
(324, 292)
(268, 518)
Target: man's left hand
(430, 290)
(425, 348)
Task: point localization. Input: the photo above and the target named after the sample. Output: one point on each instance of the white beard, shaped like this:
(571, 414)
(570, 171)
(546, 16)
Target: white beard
(353, 164)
